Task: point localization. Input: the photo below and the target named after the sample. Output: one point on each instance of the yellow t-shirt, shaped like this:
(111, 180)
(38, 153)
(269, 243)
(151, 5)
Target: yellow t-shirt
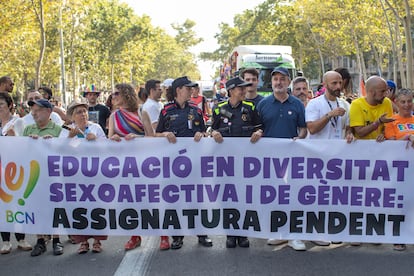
(362, 114)
(400, 128)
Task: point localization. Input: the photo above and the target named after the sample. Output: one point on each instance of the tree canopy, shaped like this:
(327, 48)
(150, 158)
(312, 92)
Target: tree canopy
(104, 43)
(374, 33)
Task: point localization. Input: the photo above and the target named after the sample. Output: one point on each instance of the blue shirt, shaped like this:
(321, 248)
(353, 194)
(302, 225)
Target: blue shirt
(281, 120)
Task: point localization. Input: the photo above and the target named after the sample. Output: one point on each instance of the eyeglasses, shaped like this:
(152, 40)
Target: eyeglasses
(34, 99)
(115, 93)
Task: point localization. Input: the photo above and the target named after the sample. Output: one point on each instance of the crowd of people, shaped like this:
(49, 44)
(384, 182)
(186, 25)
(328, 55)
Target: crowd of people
(290, 112)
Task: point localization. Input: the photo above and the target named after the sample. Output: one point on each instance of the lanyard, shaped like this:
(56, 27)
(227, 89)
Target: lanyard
(335, 118)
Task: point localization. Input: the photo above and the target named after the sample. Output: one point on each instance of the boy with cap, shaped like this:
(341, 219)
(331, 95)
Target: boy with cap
(236, 118)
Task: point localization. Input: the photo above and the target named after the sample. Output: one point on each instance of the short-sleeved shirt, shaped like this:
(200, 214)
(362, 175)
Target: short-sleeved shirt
(99, 114)
(183, 122)
(256, 100)
(281, 120)
(239, 121)
(335, 128)
(400, 128)
(363, 114)
(153, 109)
(50, 129)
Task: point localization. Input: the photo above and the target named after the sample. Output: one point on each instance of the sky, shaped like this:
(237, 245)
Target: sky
(207, 15)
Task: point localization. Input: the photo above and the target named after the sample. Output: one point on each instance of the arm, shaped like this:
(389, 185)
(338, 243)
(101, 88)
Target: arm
(148, 128)
(318, 125)
(111, 130)
(362, 131)
(303, 131)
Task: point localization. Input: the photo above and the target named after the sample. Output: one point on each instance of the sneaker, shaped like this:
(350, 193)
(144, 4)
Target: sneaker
(243, 242)
(231, 242)
(134, 242)
(164, 243)
(6, 247)
(399, 247)
(57, 248)
(38, 249)
(298, 245)
(321, 243)
(275, 242)
(177, 243)
(205, 241)
(24, 245)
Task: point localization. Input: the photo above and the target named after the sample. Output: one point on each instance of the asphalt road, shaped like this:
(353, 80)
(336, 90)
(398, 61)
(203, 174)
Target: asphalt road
(193, 259)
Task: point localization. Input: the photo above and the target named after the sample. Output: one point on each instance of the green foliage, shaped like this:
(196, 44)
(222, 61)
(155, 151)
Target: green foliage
(314, 28)
(103, 39)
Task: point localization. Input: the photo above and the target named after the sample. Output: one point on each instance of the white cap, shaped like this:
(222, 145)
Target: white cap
(167, 83)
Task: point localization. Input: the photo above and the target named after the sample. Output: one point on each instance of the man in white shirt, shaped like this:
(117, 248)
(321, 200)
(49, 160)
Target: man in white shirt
(327, 116)
(152, 105)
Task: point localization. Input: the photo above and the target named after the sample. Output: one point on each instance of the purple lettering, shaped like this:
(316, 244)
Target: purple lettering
(70, 165)
(130, 167)
(251, 167)
(87, 192)
(314, 168)
(125, 194)
(400, 165)
(90, 172)
(170, 194)
(297, 167)
(389, 198)
(53, 165)
(334, 171)
(110, 167)
(207, 169)
(56, 194)
(381, 170)
(306, 195)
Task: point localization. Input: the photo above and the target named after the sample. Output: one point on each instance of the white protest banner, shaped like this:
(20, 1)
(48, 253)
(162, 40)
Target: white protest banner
(279, 188)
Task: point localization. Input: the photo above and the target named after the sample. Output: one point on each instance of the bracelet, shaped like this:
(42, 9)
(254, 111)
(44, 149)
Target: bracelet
(376, 124)
(327, 116)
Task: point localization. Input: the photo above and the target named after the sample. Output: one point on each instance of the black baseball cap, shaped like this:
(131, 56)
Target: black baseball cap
(182, 81)
(236, 82)
(281, 70)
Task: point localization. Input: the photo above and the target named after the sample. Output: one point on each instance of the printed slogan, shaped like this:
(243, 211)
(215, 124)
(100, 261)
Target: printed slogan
(276, 188)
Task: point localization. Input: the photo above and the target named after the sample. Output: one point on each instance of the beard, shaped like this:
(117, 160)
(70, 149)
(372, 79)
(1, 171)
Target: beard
(335, 93)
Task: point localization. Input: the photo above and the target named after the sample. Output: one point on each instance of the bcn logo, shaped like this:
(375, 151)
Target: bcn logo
(20, 217)
(14, 180)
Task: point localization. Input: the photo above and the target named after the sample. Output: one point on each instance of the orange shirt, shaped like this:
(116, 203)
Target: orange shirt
(400, 128)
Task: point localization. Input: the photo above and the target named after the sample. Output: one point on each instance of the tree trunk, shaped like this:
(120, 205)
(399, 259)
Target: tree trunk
(40, 18)
(399, 57)
(112, 78)
(409, 44)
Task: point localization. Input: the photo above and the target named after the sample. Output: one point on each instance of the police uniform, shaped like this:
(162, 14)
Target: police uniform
(183, 122)
(236, 121)
(239, 121)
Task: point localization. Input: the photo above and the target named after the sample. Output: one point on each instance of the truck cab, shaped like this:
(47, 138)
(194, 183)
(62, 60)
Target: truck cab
(264, 58)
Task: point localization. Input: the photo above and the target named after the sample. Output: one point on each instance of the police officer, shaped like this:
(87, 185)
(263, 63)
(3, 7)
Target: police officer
(236, 118)
(180, 118)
